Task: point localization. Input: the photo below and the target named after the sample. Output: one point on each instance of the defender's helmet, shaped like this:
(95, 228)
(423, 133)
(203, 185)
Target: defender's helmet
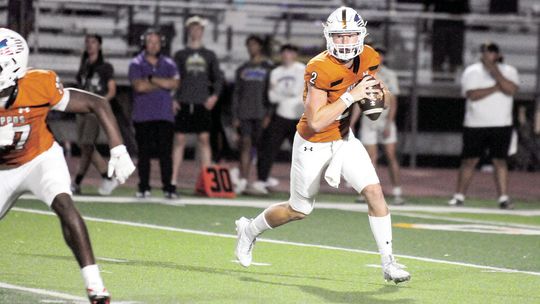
(344, 20)
(13, 57)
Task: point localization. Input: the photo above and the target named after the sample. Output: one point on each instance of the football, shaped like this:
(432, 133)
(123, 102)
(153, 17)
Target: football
(372, 108)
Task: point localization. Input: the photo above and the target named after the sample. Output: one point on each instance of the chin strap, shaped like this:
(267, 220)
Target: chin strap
(9, 100)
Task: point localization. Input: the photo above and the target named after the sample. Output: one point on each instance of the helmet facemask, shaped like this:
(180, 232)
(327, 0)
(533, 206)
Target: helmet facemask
(345, 20)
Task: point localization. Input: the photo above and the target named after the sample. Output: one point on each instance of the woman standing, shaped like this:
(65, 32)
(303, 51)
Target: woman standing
(94, 75)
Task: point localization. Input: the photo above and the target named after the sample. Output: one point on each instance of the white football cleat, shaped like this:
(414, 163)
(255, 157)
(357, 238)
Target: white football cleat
(244, 246)
(392, 271)
(101, 296)
(107, 186)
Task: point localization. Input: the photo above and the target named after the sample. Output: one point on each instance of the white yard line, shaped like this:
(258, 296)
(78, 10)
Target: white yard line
(206, 233)
(55, 294)
(464, 220)
(44, 292)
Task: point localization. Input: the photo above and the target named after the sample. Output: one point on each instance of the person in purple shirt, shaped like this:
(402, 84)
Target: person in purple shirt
(153, 77)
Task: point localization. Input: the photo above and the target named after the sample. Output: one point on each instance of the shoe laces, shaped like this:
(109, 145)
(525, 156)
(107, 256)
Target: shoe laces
(393, 262)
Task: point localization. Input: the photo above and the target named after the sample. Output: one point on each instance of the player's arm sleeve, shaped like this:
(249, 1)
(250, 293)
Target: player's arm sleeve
(316, 77)
(58, 97)
(374, 63)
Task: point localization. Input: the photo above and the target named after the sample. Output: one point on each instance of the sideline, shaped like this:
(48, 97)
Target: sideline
(231, 236)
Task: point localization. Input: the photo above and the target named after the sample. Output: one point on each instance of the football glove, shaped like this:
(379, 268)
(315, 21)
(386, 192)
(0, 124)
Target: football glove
(7, 133)
(120, 164)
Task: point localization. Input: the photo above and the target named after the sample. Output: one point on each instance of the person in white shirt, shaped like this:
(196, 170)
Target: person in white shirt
(489, 86)
(383, 130)
(286, 93)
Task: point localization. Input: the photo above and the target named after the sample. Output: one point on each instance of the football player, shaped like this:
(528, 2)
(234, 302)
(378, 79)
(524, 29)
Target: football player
(30, 159)
(324, 143)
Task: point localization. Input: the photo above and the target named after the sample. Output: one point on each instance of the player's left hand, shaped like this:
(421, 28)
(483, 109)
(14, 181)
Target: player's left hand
(120, 164)
(7, 134)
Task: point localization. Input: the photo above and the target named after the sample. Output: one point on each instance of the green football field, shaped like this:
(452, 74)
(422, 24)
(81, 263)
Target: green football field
(151, 252)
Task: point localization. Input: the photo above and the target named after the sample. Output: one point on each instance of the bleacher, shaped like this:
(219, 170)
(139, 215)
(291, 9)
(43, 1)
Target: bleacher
(61, 25)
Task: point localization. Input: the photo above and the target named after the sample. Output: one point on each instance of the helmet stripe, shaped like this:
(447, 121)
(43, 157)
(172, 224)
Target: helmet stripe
(344, 18)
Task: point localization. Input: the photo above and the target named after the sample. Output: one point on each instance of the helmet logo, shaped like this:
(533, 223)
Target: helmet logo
(357, 20)
(3, 43)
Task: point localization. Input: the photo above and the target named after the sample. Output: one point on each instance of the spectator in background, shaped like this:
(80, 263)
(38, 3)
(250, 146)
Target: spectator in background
(489, 87)
(383, 130)
(97, 76)
(153, 77)
(447, 37)
(250, 105)
(286, 93)
(202, 82)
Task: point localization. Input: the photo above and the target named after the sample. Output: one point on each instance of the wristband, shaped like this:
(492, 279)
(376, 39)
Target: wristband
(120, 149)
(347, 98)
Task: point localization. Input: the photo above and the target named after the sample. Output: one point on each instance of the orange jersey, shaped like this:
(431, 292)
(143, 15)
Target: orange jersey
(38, 91)
(326, 73)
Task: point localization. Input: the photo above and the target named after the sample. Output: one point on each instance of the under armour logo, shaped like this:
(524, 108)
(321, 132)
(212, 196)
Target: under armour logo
(24, 110)
(308, 148)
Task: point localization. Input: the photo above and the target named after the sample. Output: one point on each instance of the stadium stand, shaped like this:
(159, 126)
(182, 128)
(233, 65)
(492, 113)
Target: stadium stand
(57, 45)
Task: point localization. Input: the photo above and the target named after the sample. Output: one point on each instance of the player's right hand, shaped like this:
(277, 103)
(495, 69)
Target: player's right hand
(120, 164)
(368, 87)
(7, 134)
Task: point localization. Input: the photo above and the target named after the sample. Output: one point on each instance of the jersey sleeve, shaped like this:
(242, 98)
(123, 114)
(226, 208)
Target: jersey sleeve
(374, 60)
(316, 76)
(57, 96)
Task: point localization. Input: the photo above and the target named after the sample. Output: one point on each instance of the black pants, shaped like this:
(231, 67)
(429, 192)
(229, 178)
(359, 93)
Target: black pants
(270, 143)
(157, 137)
